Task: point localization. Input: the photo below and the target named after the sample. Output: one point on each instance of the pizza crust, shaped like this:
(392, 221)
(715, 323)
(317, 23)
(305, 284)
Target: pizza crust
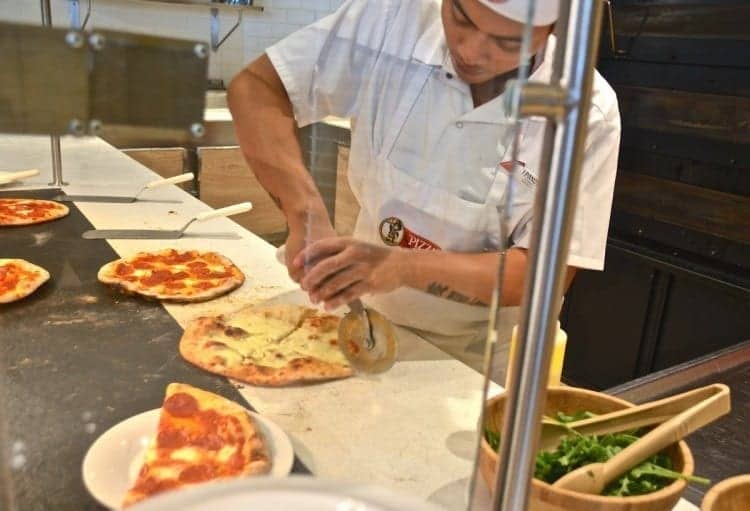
(108, 275)
(55, 211)
(30, 278)
(163, 469)
(307, 351)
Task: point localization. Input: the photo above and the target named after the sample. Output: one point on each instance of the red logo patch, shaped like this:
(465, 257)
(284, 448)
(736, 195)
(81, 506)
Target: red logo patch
(395, 234)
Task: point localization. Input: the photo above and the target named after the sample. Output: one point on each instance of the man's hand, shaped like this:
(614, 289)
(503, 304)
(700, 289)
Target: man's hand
(340, 270)
(300, 238)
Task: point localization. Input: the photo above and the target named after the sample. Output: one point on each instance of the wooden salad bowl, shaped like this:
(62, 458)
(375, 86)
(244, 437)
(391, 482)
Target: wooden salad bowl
(732, 494)
(545, 497)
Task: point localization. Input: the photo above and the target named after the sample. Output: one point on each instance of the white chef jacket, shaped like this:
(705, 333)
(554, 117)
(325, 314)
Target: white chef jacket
(429, 169)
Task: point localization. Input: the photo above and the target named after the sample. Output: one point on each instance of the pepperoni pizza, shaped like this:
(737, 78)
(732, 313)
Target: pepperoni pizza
(19, 278)
(172, 275)
(30, 211)
(200, 437)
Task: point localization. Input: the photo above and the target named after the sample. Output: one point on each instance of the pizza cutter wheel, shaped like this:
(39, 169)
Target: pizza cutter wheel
(367, 339)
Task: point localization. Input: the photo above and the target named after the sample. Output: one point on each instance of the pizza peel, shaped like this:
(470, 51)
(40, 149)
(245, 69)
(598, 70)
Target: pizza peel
(160, 234)
(182, 178)
(9, 177)
(367, 339)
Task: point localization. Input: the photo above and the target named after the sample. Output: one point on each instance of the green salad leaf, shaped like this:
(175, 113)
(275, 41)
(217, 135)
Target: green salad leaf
(578, 450)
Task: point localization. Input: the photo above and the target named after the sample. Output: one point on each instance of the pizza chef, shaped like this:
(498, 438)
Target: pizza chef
(422, 82)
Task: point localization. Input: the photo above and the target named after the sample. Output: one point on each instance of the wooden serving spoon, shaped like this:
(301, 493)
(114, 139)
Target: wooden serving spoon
(594, 477)
(647, 414)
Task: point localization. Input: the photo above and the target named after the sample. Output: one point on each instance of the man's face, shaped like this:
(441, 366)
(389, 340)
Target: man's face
(482, 43)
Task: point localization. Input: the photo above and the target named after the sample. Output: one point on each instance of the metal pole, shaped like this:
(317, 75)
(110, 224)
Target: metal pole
(57, 178)
(553, 219)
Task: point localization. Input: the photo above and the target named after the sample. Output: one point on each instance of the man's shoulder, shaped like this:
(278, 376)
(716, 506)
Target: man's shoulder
(604, 98)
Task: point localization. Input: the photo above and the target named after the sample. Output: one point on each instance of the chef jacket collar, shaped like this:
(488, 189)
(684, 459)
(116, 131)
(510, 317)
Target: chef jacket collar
(432, 49)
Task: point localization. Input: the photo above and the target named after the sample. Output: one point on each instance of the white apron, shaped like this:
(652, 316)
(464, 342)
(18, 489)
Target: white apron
(404, 201)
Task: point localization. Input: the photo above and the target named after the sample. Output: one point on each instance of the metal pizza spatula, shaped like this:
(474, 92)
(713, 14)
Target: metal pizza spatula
(160, 234)
(367, 339)
(182, 178)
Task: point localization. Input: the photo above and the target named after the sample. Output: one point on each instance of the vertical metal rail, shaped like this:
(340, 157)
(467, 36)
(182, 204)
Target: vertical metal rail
(578, 33)
(57, 178)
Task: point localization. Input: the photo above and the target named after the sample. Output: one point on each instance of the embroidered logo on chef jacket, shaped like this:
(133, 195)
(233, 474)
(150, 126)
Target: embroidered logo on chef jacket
(521, 173)
(394, 233)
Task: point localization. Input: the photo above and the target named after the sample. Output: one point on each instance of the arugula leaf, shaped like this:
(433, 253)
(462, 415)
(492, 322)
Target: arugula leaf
(578, 450)
(493, 438)
(580, 415)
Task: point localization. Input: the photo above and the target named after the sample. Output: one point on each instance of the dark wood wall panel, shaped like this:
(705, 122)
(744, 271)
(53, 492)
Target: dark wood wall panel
(601, 352)
(697, 18)
(685, 147)
(732, 81)
(700, 51)
(708, 116)
(722, 178)
(676, 284)
(724, 256)
(700, 319)
(721, 214)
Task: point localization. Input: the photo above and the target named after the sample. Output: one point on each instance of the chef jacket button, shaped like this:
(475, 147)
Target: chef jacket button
(449, 76)
(459, 125)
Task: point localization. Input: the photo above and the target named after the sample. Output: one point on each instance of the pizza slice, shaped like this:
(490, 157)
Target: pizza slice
(19, 278)
(267, 345)
(173, 275)
(30, 211)
(201, 437)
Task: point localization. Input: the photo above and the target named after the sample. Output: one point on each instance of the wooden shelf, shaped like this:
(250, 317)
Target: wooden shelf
(209, 3)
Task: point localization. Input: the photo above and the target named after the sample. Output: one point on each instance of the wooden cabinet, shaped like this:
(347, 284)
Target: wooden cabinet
(165, 161)
(226, 179)
(347, 207)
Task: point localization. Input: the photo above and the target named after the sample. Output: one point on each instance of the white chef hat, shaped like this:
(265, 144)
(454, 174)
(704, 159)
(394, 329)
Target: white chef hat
(545, 11)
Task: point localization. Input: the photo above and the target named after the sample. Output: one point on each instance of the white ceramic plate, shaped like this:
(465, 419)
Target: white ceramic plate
(113, 461)
(293, 493)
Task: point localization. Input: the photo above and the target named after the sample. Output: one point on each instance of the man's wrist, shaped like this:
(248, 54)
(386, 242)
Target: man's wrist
(312, 218)
(403, 261)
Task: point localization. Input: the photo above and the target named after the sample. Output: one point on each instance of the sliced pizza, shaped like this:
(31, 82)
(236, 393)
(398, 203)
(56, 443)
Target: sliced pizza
(173, 275)
(19, 278)
(200, 437)
(267, 345)
(30, 211)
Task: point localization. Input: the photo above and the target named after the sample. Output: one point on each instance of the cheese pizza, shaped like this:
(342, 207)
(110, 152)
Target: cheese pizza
(172, 275)
(267, 345)
(200, 437)
(19, 278)
(30, 211)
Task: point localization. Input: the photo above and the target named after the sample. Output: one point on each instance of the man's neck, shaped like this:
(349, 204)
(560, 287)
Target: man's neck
(485, 92)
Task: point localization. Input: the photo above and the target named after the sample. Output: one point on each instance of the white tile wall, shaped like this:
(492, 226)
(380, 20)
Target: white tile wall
(258, 31)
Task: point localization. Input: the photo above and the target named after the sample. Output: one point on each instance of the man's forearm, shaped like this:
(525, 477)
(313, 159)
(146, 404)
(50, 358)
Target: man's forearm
(469, 278)
(267, 133)
(465, 278)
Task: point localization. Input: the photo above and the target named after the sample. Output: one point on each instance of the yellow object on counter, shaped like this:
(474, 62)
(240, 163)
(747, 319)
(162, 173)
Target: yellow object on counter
(558, 356)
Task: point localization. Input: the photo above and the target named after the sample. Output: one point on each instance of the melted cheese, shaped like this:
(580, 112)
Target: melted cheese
(188, 454)
(225, 453)
(273, 343)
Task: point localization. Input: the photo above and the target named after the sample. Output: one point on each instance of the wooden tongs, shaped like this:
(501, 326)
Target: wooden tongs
(677, 416)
